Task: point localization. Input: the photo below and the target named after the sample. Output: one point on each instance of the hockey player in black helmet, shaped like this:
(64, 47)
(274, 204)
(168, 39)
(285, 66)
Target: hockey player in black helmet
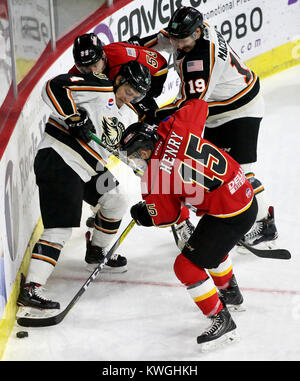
(135, 75)
(185, 28)
(138, 142)
(138, 136)
(210, 70)
(184, 22)
(203, 265)
(88, 53)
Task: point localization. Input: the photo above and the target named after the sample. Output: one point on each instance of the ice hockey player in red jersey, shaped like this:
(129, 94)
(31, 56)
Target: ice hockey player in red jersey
(210, 70)
(184, 167)
(115, 55)
(71, 168)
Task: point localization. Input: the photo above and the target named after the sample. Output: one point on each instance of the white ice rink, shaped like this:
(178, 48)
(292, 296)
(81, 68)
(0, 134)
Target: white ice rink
(145, 314)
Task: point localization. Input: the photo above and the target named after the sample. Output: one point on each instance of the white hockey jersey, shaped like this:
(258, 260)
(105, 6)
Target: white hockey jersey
(64, 94)
(212, 72)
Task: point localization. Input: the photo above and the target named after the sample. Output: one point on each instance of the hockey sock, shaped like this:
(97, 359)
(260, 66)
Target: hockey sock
(43, 260)
(105, 230)
(222, 274)
(45, 254)
(199, 285)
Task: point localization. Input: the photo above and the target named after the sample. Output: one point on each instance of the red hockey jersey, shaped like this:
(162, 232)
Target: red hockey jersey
(119, 53)
(185, 167)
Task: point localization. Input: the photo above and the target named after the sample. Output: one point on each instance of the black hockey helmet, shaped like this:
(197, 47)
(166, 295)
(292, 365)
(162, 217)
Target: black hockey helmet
(138, 135)
(184, 22)
(137, 76)
(87, 49)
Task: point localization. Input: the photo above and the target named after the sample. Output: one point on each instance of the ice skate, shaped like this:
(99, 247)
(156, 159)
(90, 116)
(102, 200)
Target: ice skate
(222, 331)
(95, 254)
(232, 296)
(184, 230)
(32, 302)
(263, 234)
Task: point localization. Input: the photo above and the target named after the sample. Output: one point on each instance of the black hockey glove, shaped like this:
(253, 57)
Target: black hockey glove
(135, 40)
(146, 109)
(140, 214)
(80, 126)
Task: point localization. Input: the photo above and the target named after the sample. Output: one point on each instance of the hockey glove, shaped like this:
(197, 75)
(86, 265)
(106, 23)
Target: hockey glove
(80, 126)
(146, 109)
(135, 40)
(140, 214)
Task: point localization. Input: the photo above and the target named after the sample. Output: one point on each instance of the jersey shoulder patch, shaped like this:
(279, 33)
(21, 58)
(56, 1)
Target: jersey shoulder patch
(100, 76)
(101, 80)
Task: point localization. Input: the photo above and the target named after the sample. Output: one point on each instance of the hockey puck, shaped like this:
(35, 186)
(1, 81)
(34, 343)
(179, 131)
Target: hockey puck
(22, 334)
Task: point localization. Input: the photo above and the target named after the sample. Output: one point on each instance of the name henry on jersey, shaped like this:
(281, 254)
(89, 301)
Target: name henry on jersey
(169, 156)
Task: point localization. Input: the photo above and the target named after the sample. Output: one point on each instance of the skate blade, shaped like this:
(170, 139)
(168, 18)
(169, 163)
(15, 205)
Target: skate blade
(236, 308)
(227, 339)
(107, 269)
(31, 312)
(266, 245)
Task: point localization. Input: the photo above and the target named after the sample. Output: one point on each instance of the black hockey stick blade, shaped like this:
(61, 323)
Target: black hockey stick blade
(268, 253)
(41, 322)
(56, 319)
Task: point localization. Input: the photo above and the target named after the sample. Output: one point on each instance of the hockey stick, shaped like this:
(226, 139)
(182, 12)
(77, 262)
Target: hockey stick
(53, 320)
(268, 253)
(116, 153)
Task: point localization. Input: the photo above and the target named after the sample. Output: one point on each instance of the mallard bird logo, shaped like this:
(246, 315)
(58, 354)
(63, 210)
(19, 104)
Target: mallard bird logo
(112, 131)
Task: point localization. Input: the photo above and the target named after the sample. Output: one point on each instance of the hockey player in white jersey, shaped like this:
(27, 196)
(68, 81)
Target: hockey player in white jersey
(70, 168)
(210, 70)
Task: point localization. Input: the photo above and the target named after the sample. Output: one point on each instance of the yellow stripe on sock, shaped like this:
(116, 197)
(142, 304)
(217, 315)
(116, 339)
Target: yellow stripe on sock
(205, 296)
(222, 273)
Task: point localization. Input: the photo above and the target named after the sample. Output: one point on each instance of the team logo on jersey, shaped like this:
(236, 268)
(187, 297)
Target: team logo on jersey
(99, 75)
(110, 102)
(248, 193)
(112, 131)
